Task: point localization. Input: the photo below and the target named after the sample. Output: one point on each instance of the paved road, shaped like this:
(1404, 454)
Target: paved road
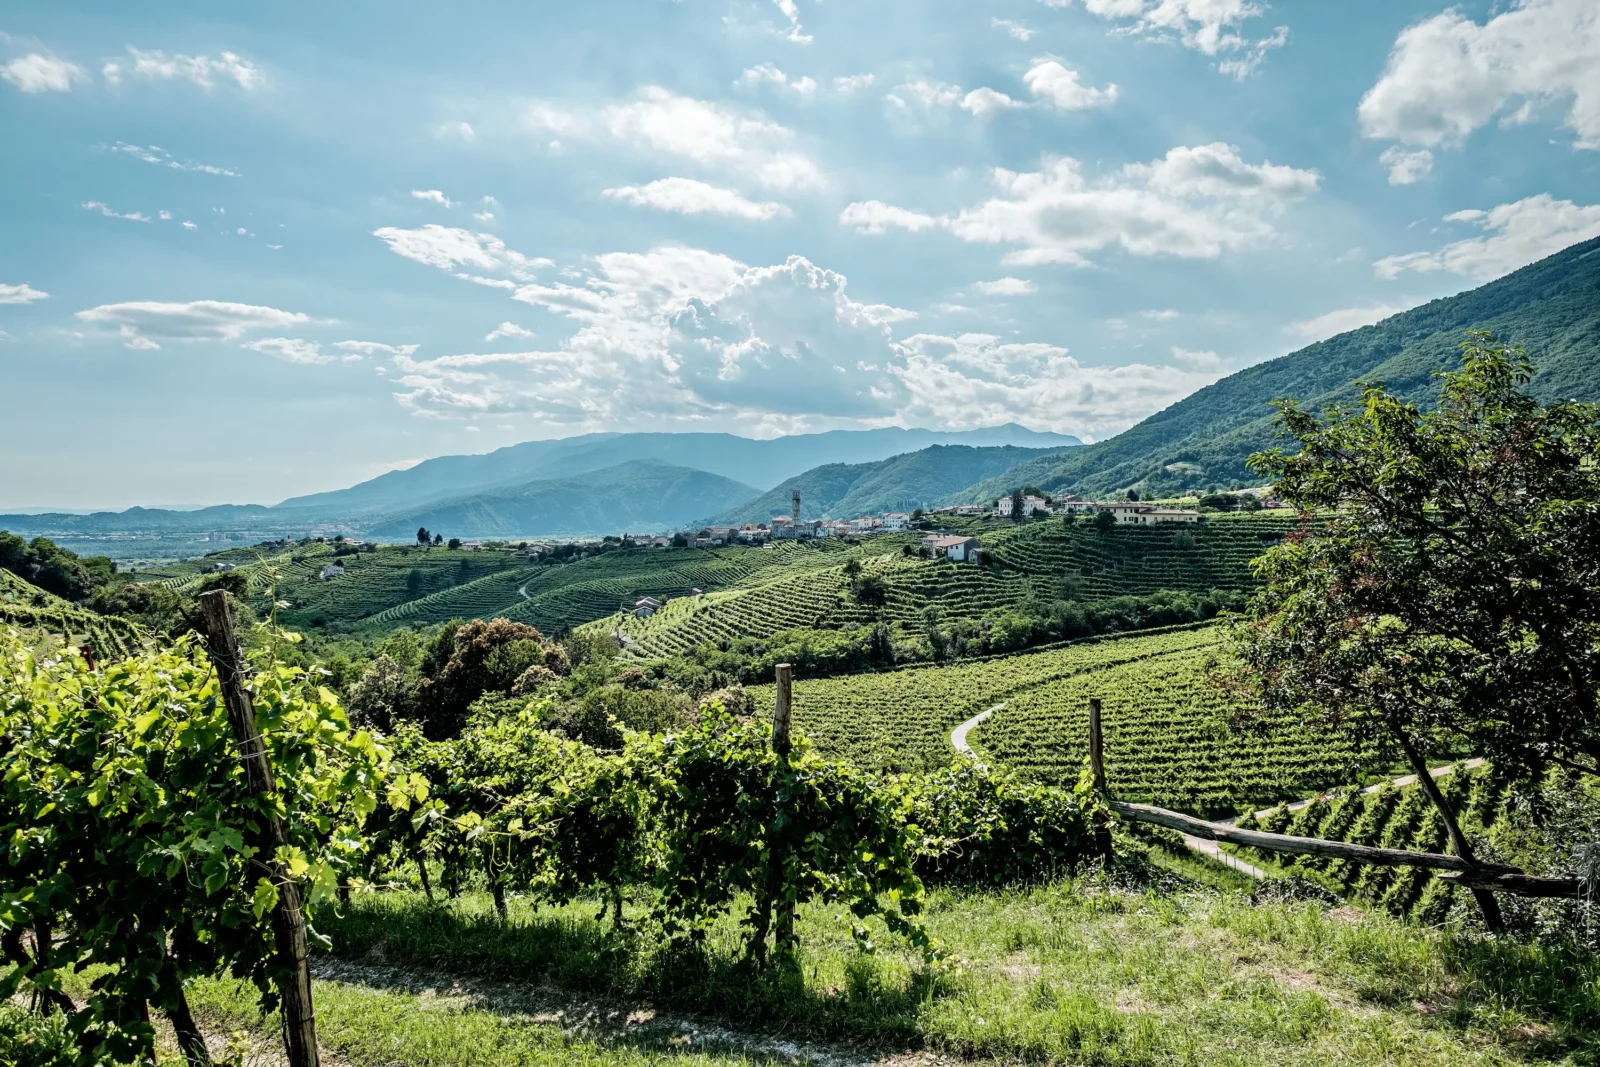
(958, 738)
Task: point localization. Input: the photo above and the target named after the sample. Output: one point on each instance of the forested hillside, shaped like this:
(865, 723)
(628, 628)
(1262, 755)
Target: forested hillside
(1550, 308)
(900, 483)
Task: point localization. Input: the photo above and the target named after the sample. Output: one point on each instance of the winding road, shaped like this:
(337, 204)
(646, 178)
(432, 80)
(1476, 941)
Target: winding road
(958, 739)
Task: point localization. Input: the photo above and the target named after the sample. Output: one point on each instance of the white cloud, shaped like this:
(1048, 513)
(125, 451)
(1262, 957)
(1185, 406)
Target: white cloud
(1015, 29)
(853, 83)
(710, 134)
(984, 102)
(1161, 314)
(685, 196)
(203, 71)
(160, 157)
(1048, 80)
(110, 213)
(874, 216)
(459, 129)
(1211, 27)
(35, 73)
(507, 329)
(767, 74)
(290, 350)
(433, 196)
(1195, 202)
(1516, 234)
(1205, 360)
(358, 349)
(1447, 76)
(144, 324)
(792, 13)
(1343, 320)
(1406, 167)
(928, 93)
(21, 294)
(1006, 287)
(448, 247)
(189, 225)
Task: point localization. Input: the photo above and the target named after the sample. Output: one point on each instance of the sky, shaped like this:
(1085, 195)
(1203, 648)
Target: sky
(252, 251)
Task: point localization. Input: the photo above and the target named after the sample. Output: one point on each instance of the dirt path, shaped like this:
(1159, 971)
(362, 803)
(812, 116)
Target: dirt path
(958, 736)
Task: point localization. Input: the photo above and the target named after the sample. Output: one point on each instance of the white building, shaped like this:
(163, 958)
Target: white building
(895, 521)
(1133, 513)
(1030, 504)
(332, 570)
(955, 547)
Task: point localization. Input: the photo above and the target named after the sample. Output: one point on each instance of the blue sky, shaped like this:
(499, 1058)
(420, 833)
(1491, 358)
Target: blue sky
(259, 250)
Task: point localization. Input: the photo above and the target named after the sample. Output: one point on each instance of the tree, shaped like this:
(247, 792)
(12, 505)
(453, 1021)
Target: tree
(453, 544)
(413, 584)
(471, 659)
(1133, 494)
(1104, 521)
(852, 569)
(52, 568)
(870, 592)
(423, 537)
(1016, 505)
(438, 539)
(1451, 596)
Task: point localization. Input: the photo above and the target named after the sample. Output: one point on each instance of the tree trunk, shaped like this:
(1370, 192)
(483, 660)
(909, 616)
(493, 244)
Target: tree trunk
(422, 872)
(190, 1039)
(1487, 904)
(499, 891)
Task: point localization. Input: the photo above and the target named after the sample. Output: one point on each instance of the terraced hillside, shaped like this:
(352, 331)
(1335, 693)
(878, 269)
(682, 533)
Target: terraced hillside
(1166, 731)
(51, 621)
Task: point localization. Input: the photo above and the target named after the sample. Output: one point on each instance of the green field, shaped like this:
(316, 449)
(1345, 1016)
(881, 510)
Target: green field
(48, 620)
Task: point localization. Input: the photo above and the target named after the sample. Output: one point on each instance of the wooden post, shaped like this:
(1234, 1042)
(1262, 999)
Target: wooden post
(1097, 755)
(288, 920)
(784, 905)
(781, 703)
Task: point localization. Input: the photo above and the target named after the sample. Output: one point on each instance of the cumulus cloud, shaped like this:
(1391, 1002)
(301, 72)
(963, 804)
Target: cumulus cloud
(686, 196)
(160, 157)
(767, 74)
(1515, 235)
(710, 134)
(433, 196)
(21, 294)
(1006, 287)
(156, 65)
(1016, 29)
(35, 73)
(460, 129)
(1342, 320)
(449, 247)
(111, 213)
(984, 102)
(144, 324)
(1447, 75)
(792, 12)
(1204, 360)
(1195, 202)
(853, 83)
(926, 92)
(1406, 167)
(358, 349)
(507, 329)
(1051, 82)
(1211, 27)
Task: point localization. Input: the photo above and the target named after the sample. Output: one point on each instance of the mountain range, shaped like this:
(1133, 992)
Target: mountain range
(611, 482)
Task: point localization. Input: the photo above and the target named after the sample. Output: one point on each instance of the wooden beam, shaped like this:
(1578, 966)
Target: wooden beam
(1097, 758)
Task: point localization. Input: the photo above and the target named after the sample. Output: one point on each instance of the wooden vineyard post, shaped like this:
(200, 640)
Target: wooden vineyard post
(782, 703)
(1097, 772)
(288, 920)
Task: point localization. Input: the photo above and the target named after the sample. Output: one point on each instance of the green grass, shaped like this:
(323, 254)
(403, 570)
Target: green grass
(1071, 972)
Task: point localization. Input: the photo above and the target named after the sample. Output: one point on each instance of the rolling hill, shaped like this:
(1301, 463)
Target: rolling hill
(641, 495)
(761, 463)
(899, 483)
(1551, 308)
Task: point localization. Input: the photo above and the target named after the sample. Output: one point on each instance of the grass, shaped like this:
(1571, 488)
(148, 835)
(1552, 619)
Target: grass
(1067, 973)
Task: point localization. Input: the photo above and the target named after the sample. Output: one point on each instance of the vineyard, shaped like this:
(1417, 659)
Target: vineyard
(1391, 818)
(902, 719)
(46, 619)
(1168, 737)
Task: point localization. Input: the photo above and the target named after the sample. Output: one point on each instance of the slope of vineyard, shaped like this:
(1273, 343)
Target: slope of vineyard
(1168, 737)
(47, 619)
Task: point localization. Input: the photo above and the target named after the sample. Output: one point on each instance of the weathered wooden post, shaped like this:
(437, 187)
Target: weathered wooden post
(1097, 772)
(288, 920)
(782, 703)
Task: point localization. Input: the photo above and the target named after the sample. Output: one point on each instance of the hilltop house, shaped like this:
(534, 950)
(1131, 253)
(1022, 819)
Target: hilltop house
(895, 521)
(955, 547)
(1134, 513)
(1030, 504)
(645, 607)
(332, 570)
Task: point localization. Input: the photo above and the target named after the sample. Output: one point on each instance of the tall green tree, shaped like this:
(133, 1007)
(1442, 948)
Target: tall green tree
(1445, 590)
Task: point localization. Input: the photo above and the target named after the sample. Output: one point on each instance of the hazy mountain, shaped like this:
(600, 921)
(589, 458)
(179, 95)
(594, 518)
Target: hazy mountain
(758, 463)
(1551, 309)
(642, 496)
(900, 483)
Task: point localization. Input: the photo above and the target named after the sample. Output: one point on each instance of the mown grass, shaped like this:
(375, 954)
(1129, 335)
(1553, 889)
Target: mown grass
(1067, 973)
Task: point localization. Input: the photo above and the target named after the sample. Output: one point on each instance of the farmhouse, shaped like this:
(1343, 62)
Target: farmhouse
(955, 547)
(1030, 504)
(645, 607)
(895, 520)
(332, 570)
(1134, 513)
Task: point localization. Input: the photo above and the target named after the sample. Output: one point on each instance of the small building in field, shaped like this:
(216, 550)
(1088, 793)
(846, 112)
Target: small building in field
(1030, 504)
(955, 547)
(645, 607)
(1133, 513)
(222, 567)
(332, 570)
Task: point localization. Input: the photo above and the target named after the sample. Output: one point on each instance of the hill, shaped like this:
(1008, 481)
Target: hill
(640, 495)
(900, 483)
(761, 463)
(1550, 308)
